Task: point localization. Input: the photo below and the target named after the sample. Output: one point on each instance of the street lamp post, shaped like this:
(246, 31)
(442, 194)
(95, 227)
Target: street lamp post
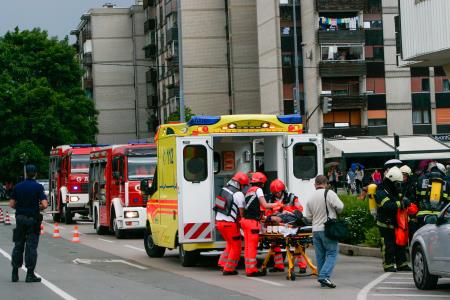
(297, 85)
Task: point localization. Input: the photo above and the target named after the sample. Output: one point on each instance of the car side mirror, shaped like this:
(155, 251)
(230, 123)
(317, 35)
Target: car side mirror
(146, 186)
(431, 219)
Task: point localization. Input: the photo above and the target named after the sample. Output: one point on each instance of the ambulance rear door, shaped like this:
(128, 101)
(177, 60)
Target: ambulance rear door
(304, 161)
(195, 189)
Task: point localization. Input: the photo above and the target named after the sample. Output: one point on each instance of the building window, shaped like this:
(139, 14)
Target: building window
(342, 52)
(286, 61)
(286, 31)
(421, 116)
(377, 122)
(445, 85)
(425, 84)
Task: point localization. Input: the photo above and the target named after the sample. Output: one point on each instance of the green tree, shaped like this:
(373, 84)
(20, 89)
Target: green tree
(41, 101)
(175, 116)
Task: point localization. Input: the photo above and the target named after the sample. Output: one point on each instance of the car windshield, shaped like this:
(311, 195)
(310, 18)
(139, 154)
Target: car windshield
(79, 163)
(141, 167)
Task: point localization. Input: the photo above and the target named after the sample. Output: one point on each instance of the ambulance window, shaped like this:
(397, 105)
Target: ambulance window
(195, 167)
(305, 160)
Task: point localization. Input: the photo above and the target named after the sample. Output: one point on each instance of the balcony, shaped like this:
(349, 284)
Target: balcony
(152, 101)
(172, 34)
(172, 51)
(151, 76)
(173, 91)
(86, 35)
(87, 59)
(340, 102)
(339, 5)
(147, 3)
(342, 68)
(150, 51)
(88, 83)
(150, 24)
(342, 36)
(345, 131)
(171, 7)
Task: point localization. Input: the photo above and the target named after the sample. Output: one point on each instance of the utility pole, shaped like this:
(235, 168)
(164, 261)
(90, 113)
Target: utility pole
(180, 62)
(297, 85)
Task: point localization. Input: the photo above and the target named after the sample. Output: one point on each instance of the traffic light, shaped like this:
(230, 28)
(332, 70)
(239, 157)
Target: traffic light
(327, 104)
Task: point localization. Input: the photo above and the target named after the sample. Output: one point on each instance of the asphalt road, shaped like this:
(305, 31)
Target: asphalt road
(103, 267)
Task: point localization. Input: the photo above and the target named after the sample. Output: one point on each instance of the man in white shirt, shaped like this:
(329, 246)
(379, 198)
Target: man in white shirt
(326, 249)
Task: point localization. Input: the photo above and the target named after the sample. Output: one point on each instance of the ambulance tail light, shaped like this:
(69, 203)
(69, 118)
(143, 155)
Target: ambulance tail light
(290, 119)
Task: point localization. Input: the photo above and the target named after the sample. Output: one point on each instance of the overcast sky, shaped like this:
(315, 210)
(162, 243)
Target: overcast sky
(58, 17)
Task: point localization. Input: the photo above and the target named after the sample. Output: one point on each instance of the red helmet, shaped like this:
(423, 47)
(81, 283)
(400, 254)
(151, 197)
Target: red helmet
(277, 186)
(258, 177)
(241, 177)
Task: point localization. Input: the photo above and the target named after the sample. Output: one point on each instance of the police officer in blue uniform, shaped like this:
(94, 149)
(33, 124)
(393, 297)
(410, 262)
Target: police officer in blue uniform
(28, 199)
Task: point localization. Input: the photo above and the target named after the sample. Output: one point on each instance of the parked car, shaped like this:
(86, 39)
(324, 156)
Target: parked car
(430, 250)
(44, 183)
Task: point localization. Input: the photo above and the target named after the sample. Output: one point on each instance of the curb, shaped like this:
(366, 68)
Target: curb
(352, 250)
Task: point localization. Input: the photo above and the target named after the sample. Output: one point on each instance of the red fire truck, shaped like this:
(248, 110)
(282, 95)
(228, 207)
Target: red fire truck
(115, 174)
(68, 184)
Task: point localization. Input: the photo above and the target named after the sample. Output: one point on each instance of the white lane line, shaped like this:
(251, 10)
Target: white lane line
(135, 248)
(90, 261)
(362, 295)
(130, 264)
(394, 288)
(410, 295)
(402, 278)
(262, 280)
(45, 282)
(397, 282)
(104, 240)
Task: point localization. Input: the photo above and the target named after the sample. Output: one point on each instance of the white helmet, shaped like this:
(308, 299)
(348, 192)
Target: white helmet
(394, 174)
(441, 168)
(406, 170)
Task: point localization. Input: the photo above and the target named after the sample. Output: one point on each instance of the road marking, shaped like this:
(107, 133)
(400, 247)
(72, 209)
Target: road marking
(90, 261)
(362, 295)
(402, 278)
(135, 248)
(50, 224)
(45, 282)
(108, 241)
(397, 282)
(410, 295)
(262, 280)
(394, 288)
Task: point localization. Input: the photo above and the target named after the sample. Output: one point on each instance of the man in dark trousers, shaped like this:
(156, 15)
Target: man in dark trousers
(28, 199)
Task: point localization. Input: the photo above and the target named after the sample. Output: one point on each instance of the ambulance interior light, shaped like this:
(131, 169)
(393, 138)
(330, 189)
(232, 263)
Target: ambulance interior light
(290, 119)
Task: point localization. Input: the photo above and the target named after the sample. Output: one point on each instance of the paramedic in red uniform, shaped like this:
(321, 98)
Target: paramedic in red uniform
(229, 205)
(251, 222)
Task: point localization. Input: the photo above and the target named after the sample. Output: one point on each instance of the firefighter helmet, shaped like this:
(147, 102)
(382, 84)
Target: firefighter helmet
(394, 175)
(258, 177)
(277, 186)
(406, 170)
(441, 168)
(241, 177)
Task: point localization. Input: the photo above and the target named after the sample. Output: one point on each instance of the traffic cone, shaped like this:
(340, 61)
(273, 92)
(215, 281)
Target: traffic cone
(2, 219)
(56, 234)
(7, 219)
(76, 235)
(42, 229)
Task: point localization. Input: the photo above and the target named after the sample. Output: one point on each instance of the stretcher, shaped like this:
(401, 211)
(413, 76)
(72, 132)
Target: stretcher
(294, 240)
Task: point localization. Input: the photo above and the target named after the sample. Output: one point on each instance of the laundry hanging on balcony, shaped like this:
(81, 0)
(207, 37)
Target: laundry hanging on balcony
(338, 23)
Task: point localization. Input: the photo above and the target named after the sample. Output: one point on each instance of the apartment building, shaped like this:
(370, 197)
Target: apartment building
(110, 43)
(219, 56)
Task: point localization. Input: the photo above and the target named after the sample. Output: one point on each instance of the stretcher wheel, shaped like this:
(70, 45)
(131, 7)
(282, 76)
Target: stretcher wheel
(264, 271)
(291, 276)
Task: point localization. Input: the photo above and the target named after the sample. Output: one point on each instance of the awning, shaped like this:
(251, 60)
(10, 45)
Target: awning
(357, 147)
(411, 147)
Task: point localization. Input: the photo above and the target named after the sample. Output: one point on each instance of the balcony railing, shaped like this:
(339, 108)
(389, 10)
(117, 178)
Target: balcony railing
(171, 7)
(342, 36)
(151, 76)
(342, 68)
(150, 24)
(339, 5)
(172, 34)
(340, 102)
(345, 131)
(150, 51)
(152, 101)
(88, 83)
(173, 91)
(86, 35)
(87, 59)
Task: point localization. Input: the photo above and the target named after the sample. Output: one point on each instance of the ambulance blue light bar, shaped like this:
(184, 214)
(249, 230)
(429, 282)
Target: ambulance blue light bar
(290, 119)
(203, 120)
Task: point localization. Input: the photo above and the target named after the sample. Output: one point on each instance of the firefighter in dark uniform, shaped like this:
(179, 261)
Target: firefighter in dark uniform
(28, 199)
(388, 202)
(409, 188)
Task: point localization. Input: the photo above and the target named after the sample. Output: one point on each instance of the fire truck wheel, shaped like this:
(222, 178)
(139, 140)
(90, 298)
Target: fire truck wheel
(68, 218)
(101, 230)
(188, 258)
(150, 247)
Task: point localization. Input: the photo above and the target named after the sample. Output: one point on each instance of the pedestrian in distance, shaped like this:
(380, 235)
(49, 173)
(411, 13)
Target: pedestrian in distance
(376, 177)
(359, 175)
(28, 199)
(351, 185)
(316, 211)
(229, 207)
